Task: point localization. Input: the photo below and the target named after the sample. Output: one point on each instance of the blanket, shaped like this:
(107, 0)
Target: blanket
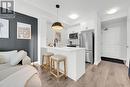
(16, 76)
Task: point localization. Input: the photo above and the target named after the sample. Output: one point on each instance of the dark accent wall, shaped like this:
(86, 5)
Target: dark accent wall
(12, 43)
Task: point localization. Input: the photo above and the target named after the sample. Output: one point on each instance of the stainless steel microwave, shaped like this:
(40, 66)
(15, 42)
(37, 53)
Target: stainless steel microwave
(73, 36)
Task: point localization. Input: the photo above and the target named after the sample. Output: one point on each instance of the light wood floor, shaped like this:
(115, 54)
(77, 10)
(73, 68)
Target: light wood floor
(106, 74)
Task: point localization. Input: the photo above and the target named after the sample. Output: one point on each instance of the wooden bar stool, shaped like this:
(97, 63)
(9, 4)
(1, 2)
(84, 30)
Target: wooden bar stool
(56, 71)
(46, 60)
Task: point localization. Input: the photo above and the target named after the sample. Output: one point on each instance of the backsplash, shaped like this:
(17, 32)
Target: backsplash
(74, 41)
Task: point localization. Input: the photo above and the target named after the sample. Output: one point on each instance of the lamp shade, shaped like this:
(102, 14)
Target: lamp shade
(57, 26)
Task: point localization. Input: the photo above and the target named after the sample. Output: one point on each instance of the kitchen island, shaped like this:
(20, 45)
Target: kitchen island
(75, 58)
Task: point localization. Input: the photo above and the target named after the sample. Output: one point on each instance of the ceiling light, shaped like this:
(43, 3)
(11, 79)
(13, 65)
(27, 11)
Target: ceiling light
(112, 11)
(57, 26)
(73, 16)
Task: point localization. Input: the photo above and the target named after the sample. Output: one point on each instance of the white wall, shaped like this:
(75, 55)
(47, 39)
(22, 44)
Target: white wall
(114, 40)
(63, 37)
(23, 7)
(128, 38)
(97, 39)
(50, 34)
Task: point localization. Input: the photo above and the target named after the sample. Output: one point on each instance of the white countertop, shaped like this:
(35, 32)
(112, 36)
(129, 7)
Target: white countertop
(66, 48)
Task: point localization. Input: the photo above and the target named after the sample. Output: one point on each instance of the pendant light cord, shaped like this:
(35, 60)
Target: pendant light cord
(57, 6)
(57, 14)
(57, 25)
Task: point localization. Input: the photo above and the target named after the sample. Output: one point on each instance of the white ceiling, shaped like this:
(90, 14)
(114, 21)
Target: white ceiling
(84, 8)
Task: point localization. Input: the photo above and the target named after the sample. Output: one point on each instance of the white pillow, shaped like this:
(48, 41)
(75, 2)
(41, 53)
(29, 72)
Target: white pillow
(26, 61)
(18, 57)
(7, 55)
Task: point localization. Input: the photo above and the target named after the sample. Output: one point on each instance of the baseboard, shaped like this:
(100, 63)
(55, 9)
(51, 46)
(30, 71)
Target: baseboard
(87, 62)
(112, 60)
(96, 62)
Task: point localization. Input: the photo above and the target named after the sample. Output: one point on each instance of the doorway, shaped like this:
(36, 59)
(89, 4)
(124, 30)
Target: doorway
(114, 39)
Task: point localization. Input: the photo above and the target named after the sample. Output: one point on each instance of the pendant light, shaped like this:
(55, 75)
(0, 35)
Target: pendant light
(57, 26)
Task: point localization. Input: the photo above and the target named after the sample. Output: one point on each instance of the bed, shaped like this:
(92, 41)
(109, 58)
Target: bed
(19, 75)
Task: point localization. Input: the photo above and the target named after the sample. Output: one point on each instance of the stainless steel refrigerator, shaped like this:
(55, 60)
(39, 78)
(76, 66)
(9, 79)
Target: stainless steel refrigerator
(86, 39)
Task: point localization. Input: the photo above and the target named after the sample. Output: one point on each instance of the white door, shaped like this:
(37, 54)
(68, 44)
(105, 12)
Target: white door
(114, 40)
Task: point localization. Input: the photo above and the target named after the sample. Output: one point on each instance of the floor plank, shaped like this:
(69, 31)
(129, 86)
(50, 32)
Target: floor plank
(106, 74)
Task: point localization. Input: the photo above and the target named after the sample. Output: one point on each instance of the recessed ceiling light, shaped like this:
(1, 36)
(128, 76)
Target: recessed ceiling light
(73, 16)
(112, 11)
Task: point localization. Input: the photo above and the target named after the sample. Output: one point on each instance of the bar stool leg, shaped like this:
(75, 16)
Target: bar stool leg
(49, 61)
(57, 69)
(50, 64)
(53, 65)
(42, 61)
(65, 68)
